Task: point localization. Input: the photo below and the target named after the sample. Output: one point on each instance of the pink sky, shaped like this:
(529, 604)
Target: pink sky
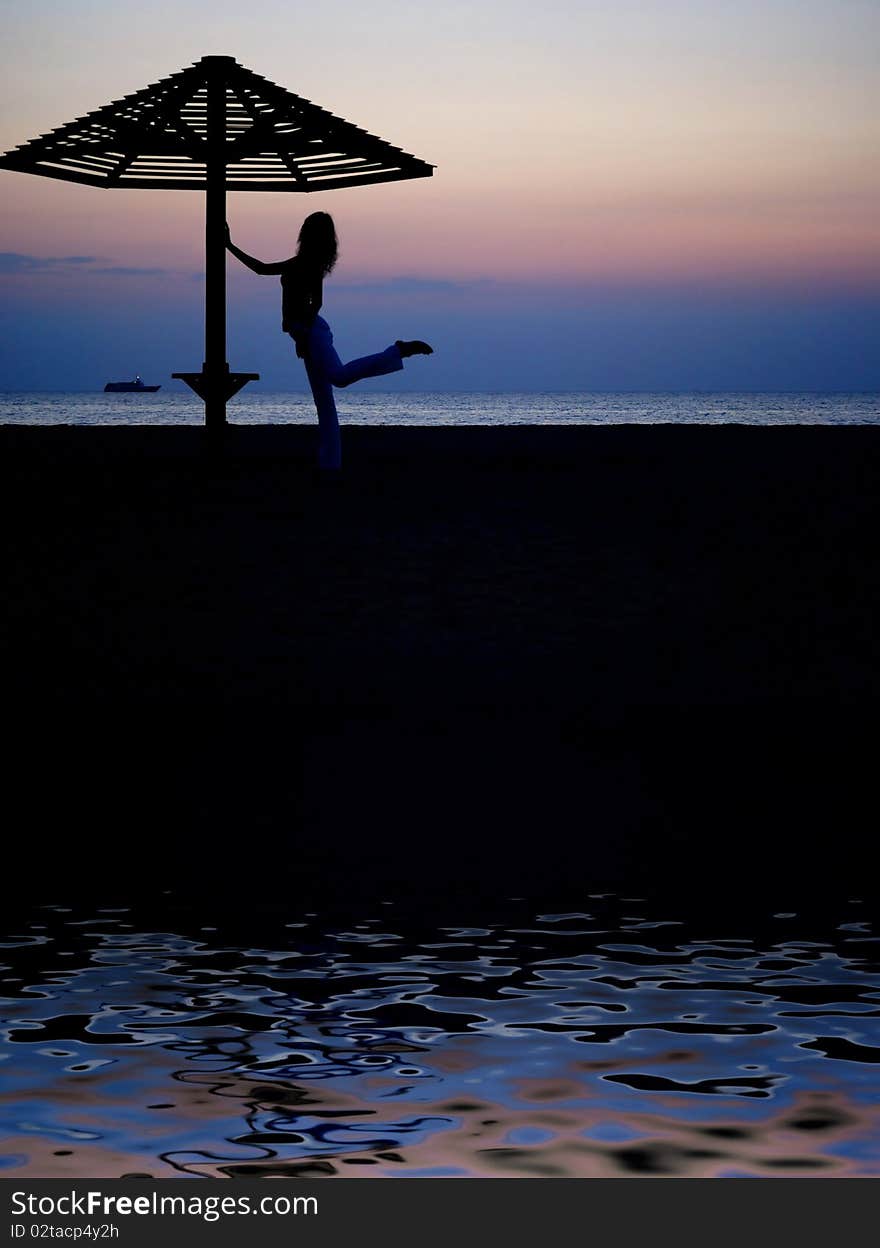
(590, 141)
(578, 143)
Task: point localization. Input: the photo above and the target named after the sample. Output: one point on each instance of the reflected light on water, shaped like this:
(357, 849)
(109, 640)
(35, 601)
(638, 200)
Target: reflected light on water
(620, 1040)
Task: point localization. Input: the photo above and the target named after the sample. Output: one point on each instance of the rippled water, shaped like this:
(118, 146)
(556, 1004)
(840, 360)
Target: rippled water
(620, 1040)
(369, 407)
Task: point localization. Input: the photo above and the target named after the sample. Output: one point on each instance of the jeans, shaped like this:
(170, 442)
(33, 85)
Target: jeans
(325, 370)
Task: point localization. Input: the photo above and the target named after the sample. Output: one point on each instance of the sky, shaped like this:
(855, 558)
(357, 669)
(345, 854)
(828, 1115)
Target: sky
(637, 195)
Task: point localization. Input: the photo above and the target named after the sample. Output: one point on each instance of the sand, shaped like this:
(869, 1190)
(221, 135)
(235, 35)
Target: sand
(476, 637)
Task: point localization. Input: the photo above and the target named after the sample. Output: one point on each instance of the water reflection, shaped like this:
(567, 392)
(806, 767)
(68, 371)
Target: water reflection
(613, 1041)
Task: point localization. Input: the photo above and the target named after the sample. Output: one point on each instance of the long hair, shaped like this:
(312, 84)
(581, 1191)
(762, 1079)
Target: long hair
(318, 244)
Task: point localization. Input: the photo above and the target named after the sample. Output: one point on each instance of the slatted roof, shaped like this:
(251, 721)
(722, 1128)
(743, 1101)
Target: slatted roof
(157, 139)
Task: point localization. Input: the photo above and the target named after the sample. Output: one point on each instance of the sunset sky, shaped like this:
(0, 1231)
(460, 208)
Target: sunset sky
(630, 195)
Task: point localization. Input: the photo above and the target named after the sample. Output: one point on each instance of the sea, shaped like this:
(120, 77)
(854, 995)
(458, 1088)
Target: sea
(369, 407)
(622, 1036)
(620, 1039)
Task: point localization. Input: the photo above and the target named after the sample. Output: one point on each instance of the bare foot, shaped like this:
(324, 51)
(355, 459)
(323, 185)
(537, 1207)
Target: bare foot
(413, 348)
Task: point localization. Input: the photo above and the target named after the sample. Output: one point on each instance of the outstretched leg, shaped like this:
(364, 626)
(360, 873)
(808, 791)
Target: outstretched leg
(325, 370)
(388, 361)
(417, 347)
(323, 354)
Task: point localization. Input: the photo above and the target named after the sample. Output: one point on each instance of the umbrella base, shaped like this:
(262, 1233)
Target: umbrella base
(215, 391)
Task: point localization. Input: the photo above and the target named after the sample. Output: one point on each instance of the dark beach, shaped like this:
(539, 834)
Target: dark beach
(487, 659)
(506, 809)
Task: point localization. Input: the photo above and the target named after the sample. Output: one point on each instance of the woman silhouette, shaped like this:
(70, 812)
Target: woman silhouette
(302, 280)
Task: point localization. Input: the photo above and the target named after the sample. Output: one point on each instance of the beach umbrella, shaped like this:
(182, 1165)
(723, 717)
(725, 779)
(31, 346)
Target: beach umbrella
(213, 127)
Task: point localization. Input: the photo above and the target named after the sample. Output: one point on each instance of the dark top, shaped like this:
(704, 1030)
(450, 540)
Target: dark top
(301, 293)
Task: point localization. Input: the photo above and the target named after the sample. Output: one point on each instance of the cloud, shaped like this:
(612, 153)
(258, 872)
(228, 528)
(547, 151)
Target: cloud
(121, 270)
(411, 286)
(17, 262)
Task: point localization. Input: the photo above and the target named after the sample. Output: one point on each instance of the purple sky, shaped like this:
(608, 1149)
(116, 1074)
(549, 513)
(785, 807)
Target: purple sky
(627, 196)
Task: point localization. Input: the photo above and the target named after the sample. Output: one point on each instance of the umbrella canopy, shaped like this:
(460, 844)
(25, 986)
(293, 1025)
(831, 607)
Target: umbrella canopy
(211, 127)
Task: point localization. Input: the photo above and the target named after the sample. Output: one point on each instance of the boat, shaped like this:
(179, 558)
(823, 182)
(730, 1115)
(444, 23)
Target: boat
(129, 387)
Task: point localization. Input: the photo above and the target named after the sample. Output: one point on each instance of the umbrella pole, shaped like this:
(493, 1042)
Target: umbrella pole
(215, 384)
(215, 367)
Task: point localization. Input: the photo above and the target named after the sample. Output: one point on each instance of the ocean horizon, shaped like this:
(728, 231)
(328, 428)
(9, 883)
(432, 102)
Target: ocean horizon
(370, 407)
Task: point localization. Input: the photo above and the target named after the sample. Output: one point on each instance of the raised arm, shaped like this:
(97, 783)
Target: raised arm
(256, 266)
